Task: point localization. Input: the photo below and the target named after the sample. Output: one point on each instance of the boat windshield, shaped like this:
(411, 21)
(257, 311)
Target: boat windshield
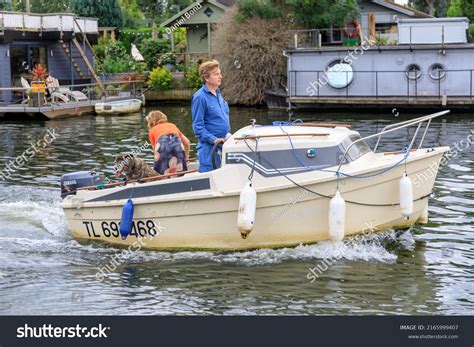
(356, 151)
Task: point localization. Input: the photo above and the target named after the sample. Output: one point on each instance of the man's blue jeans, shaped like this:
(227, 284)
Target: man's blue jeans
(204, 150)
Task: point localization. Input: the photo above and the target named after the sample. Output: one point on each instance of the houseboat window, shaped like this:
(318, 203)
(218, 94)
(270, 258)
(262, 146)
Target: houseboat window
(357, 150)
(339, 74)
(413, 72)
(437, 72)
(23, 59)
(383, 28)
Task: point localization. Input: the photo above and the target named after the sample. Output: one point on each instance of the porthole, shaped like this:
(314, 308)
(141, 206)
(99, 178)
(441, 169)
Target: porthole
(437, 72)
(339, 74)
(413, 72)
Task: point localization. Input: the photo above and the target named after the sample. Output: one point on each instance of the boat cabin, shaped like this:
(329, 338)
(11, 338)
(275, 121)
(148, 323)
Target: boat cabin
(278, 153)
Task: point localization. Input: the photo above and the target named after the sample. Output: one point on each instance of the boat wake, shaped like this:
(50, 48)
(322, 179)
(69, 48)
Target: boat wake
(32, 209)
(27, 208)
(367, 248)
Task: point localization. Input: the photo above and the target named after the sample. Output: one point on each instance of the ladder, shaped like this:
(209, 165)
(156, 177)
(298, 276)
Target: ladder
(73, 60)
(88, 64)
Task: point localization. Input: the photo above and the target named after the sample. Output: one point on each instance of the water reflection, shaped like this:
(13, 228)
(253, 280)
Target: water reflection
(428, 270)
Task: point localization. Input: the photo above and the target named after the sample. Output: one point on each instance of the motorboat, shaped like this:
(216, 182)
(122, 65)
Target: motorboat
(278, 185)
(118, 107)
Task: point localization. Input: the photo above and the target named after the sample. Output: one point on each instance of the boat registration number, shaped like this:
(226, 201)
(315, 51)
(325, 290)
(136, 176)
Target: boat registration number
(141, 228)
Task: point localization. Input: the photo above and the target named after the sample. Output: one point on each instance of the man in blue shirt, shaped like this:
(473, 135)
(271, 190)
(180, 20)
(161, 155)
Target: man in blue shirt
(210, 114)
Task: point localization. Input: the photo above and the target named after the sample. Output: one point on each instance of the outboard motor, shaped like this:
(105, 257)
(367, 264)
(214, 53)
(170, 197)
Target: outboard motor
(72, 181)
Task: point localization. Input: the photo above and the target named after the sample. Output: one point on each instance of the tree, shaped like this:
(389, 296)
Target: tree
(48, 6)
(455, 9)
(36, 6)
(250, 61)
(438, 8)
(108, 12)
(152, 9)
(323, 13)
(467, 7)
(132, 15)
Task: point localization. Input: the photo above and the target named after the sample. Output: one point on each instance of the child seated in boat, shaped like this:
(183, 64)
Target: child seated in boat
(170, 146)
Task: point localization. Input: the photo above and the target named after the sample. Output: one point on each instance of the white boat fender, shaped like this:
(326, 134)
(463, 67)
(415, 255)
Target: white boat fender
(337, 217)
(247, 208)
(127, 219)
(406, 196)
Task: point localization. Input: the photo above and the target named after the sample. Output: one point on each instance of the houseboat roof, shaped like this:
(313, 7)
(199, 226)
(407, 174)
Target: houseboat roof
(47, 22)
(409, 11)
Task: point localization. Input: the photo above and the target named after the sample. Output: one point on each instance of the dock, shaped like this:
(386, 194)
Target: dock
(57, 110)
(373, 103)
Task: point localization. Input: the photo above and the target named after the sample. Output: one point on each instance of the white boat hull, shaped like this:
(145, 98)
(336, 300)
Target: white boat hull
(286, 215)
(118, 107)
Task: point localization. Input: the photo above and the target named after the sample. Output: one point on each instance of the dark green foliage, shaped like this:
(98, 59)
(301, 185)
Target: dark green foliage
(455, 9)
(193, 80)
(36, 6)
(437, 8)
(467, 7)
(151, 49)
(323, 13)
(132, 15)
(256, 8)
(108, 12)
(129, 36)
(307, 13)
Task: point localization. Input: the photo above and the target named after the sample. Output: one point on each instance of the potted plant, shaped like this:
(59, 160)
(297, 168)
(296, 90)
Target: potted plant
(38, 84)
(168, 60)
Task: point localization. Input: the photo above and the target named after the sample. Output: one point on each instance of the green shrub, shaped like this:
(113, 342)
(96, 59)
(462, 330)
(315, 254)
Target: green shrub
(160, 78)
(129, 36)
(167, 58)
(471, 32)
(117, 50)
(116, 65)
(192, 77)
(256, 8)
(151, 49)
(381, 41)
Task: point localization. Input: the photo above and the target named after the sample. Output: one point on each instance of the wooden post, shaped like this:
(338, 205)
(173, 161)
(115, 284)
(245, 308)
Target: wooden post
(371, 17)
(208, 37)
(172, 40)
(112, 35)
(154, 32)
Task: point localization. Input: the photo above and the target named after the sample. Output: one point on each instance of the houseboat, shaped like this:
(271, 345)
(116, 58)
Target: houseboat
(61, 42)
(393, 56)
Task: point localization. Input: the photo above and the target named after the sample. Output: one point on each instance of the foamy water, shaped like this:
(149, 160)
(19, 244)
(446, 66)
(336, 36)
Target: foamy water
(425, 270)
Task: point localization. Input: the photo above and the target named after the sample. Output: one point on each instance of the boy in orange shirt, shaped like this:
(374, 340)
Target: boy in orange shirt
(170, 146)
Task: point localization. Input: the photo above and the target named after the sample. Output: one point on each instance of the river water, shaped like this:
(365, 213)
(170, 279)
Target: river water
(426, 270)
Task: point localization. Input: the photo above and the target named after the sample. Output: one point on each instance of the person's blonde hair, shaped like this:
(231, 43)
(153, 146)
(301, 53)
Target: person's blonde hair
(206, 68)
(155, 117)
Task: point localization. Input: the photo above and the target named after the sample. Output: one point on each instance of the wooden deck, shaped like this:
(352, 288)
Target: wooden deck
(381, 102)
(57, 110)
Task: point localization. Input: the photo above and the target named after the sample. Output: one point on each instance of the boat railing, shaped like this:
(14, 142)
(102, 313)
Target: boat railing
(391, 35)
(438, 82)
(112, 90)
(395, 127)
